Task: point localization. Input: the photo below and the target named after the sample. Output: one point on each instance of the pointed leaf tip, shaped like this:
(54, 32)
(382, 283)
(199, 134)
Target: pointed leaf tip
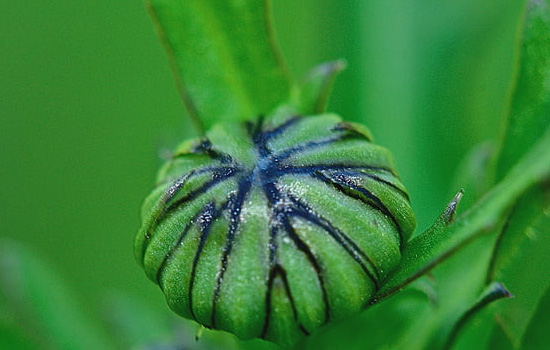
(493, 292)
(313, 94)
(527, 114)
(498, 290)
(449, 213)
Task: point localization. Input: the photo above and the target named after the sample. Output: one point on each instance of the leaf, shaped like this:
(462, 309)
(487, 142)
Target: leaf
(137, 325)
(521, 261)
(520, 257)
(364, 331)
(493, 292)
(529, 110)
(459, 291)
(312, 96)
(536, 335)
(41, 304)
(224, 57)
(442, 240)
(474, 173)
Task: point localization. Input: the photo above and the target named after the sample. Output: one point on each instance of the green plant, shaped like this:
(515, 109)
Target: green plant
(453, 271)
(240, 77)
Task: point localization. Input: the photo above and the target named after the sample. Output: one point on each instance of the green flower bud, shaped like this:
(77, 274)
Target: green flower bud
(272, 229)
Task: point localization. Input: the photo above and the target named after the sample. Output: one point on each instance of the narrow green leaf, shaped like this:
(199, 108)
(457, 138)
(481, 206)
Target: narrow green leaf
(396, 316)
(477, 332)
(526, 124)
(431, 247)
(312, 95)
(137, 325)
(493, 292)
(460, 282)
(455, 293)
(41, 304)
(536, 335)
(224, 57)
(529, 110)
(520, 256)
(521, 261)
(474, 173)
(499, 340)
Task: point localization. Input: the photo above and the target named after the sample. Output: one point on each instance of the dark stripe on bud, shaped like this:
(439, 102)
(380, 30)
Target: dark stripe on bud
(214, 196)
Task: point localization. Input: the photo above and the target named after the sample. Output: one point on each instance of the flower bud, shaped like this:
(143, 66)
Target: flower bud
(273, 228)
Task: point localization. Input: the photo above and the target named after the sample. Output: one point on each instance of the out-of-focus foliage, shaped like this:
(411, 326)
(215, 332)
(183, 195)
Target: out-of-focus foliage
(88, 105)
(40, 305)
(520, 254)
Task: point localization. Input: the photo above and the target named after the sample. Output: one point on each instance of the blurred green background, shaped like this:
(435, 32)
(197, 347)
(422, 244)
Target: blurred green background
(88, 107)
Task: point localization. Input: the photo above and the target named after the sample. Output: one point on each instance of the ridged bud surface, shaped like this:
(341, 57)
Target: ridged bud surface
(271, 229)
